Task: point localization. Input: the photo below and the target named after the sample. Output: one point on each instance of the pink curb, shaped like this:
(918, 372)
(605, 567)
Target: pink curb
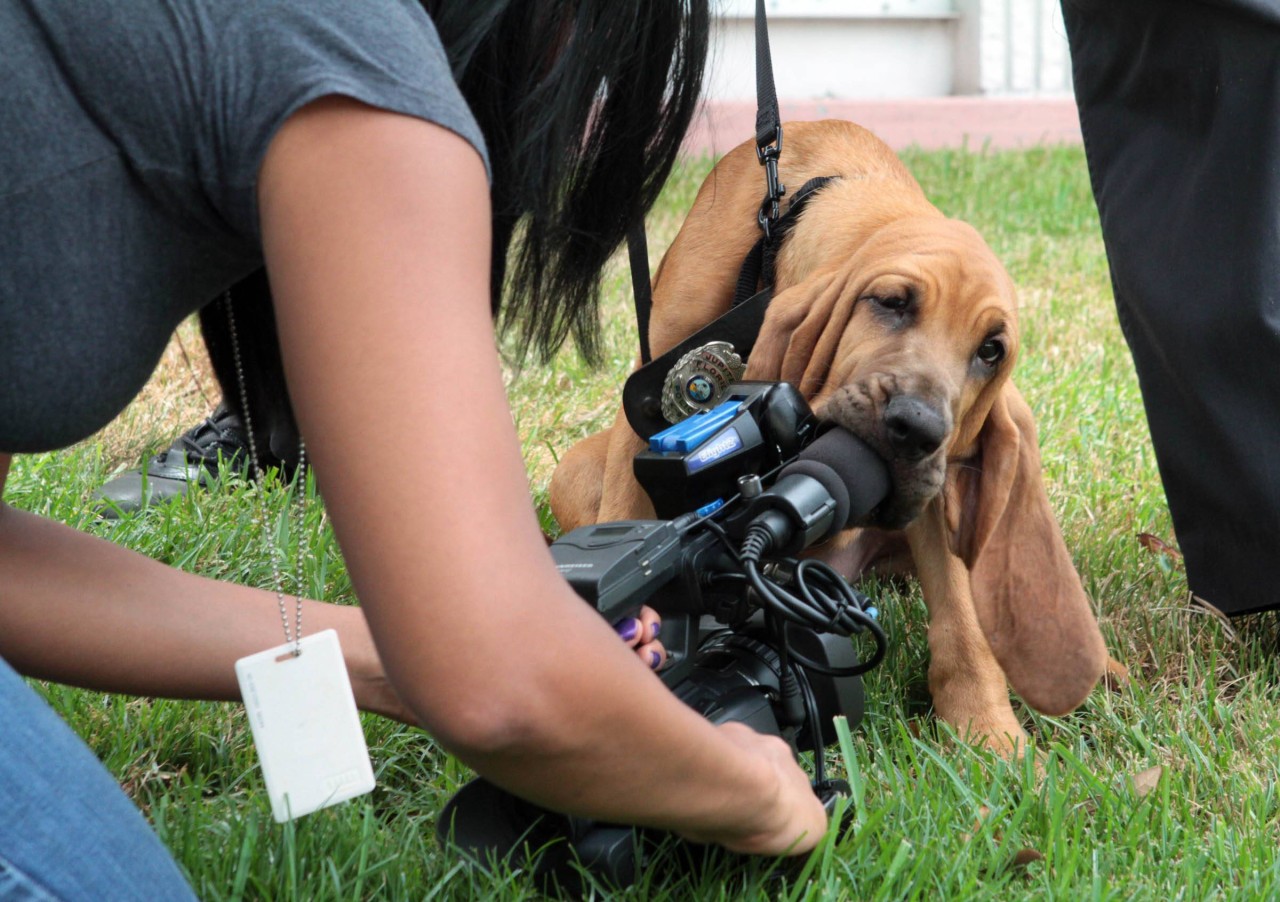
(928, 123)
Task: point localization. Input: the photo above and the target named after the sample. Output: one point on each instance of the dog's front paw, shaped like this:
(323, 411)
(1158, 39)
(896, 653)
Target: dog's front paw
(992, 725)
(1004, 736)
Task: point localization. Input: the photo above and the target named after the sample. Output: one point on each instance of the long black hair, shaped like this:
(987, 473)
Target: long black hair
(583, 105)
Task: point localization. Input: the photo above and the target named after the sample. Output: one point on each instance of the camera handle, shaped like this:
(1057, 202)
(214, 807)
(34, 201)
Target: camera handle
(618, 567)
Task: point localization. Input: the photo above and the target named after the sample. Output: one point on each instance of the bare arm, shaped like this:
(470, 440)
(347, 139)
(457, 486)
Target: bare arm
(80, 610)
(376, 231)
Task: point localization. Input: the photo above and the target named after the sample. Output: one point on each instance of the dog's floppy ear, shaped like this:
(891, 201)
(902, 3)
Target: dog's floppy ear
(801, 331)
(1027, 593)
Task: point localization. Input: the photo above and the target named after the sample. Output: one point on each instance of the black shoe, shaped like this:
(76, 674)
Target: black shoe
(194, 457)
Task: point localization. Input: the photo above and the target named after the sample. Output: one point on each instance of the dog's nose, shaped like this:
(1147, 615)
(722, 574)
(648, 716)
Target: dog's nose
(915, 429)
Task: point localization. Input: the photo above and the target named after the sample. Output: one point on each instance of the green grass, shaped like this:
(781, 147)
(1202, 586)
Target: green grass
(931, 817)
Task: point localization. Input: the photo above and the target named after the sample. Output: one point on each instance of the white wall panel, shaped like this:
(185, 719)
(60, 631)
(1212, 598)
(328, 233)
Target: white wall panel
(868, 49)
(836, 58)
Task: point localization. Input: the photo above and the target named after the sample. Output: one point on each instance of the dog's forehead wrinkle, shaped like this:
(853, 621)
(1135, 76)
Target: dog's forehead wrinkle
(976, 310)
(896, 279)
(957, 257)
(991, 322)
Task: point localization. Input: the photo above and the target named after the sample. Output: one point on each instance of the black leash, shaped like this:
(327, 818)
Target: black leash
(768, 127)
(768, 149)
(642, 394)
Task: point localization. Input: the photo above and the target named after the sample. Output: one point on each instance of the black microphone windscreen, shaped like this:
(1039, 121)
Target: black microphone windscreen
(862, 472)
(831, 481)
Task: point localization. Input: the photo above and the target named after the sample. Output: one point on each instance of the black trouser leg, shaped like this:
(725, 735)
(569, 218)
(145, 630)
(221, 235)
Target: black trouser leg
(1180, 108)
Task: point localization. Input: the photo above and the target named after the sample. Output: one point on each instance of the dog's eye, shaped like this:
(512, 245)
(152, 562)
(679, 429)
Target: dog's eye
(991, 352)
(893, 303)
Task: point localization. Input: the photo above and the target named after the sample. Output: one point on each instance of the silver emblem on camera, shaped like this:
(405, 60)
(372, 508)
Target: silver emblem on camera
(700, 379)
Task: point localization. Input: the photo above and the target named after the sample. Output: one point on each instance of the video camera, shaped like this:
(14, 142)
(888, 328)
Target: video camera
(752, 634)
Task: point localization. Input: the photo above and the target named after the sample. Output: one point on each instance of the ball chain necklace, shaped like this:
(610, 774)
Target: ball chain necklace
(263, 518)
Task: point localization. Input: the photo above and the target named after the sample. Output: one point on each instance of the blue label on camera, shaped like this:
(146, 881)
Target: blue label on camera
(721, 446)
(688, 434)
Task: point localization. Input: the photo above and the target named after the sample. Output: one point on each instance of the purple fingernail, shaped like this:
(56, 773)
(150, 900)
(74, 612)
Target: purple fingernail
(655, 659)
(629, 630)
(657, 628)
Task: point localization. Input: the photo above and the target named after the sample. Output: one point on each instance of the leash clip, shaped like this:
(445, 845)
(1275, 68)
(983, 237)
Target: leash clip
(768, 152)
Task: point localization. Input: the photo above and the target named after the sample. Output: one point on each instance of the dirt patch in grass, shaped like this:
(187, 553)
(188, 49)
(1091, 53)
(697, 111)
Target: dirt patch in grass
(181, 392)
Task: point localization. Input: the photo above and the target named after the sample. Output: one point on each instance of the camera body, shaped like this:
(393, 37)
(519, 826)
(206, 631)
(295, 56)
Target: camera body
(752, 635)
(721, 660)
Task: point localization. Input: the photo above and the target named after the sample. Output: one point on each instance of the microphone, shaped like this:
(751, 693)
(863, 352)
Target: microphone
(834, 482)
(842, 461)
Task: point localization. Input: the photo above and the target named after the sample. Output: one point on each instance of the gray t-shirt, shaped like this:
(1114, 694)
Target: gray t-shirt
(131, 134)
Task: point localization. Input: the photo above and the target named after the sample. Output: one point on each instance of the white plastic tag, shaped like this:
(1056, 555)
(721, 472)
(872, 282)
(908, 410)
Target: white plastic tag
(305, 725)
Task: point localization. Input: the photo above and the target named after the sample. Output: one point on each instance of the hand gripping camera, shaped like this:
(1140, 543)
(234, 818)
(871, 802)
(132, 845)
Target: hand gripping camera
(752, 634)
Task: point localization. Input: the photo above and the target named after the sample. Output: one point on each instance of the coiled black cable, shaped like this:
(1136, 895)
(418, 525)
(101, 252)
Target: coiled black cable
(825, 602)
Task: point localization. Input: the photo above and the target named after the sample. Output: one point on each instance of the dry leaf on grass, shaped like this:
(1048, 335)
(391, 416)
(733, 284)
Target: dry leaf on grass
(1157, 545)
(1146, 781)
(1025, 857)
(1143, 783)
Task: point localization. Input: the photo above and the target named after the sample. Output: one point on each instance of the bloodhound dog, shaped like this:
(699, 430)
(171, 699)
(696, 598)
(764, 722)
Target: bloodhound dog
(900, 325)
